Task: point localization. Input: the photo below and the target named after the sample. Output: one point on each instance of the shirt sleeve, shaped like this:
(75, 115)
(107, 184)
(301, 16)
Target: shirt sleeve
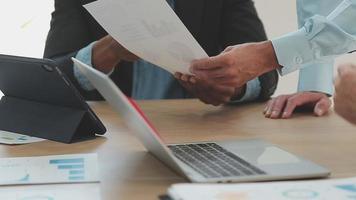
(319, 38)
(85, 56)
(318, 75)
(253, 90)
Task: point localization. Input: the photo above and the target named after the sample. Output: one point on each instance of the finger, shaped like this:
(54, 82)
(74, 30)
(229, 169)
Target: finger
(218, 73)
(299, 100)
(220, 99)
(193, 80)
(221, 90)
(278, 106)
(177, 75)
(322, 107)
(291, 105)
(216, 94)
(187, 86)
(207, 98)
(267, 106)
(197, 92)
(269, 110)
(208, 63)
(185, 77)
(234, 82)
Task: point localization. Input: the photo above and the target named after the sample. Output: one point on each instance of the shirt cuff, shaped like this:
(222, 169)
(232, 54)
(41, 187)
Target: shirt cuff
(293, 50)
(84, 55)
(253, 90)
(317, 77)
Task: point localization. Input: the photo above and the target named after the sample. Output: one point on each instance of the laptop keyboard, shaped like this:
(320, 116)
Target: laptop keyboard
(213, 161)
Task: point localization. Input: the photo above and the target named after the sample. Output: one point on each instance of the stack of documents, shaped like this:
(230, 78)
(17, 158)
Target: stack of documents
(150, 30)
(303, 190)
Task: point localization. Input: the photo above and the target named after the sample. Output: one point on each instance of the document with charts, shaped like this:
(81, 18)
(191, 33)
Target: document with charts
(340, 189)
(149, 29)
(14, 138)
(49, 169)
(51, 192)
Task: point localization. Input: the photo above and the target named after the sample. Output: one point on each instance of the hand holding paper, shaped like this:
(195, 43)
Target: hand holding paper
(149, 29)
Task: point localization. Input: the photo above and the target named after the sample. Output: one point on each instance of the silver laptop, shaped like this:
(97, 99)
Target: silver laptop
(206, 162)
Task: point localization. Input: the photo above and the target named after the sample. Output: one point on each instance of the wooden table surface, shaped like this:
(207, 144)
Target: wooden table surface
(129, 172)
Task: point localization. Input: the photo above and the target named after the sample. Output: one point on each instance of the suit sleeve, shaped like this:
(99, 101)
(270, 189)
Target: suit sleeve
(241, 24)
(69, 32)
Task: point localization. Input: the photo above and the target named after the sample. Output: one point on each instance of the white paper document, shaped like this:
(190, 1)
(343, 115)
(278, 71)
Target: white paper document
(14, 138)
(51, 192)
(339, 189)
(149, 29)
(49, 169)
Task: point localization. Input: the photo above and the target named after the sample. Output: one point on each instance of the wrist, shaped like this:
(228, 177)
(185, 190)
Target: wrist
(105, 56)
(269, 59)
(319, 92)
(112, 49)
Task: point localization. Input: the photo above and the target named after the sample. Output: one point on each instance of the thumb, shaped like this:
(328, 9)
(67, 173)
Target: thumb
(322, 107)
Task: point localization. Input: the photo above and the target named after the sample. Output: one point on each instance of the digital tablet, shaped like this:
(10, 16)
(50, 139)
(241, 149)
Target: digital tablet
(39, 86)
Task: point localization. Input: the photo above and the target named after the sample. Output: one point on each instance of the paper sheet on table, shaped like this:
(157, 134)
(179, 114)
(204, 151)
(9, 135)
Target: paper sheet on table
(149, 29)
(339, 189)
(51, 192)
(49, 169)
(14, 138)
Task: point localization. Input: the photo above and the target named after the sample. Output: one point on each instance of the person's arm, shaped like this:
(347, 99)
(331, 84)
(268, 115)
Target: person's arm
(104, 55)
(68, 34)
(241, 24)
(70, 19)
(315, 79)
(319, 38)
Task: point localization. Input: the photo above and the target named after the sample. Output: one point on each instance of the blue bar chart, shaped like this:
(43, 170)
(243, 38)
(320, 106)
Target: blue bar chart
(74, 166)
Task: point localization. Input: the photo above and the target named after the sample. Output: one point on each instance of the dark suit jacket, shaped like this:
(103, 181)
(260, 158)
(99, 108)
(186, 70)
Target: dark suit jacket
(215, 24)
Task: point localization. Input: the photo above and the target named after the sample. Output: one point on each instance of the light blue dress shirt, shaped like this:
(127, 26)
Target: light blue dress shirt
(153, 82)
(318, 75)
(328, 30)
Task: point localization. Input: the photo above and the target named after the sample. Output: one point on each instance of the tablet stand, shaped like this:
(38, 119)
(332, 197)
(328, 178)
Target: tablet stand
(53, 122)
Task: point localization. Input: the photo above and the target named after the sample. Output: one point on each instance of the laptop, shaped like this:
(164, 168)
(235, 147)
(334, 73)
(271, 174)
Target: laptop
(206, 162)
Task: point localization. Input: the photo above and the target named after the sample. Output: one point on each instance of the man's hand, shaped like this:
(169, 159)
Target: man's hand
(237, 64)
(345, 92)
(208, 92)
(107, 53)
(284, 105)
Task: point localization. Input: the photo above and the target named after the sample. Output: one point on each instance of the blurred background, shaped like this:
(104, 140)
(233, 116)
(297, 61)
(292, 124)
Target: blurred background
(24, 29)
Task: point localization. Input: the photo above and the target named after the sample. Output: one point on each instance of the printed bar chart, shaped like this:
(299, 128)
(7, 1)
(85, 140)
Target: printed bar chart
(75, 167)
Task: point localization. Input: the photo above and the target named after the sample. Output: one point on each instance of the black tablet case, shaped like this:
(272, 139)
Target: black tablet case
(40, 101)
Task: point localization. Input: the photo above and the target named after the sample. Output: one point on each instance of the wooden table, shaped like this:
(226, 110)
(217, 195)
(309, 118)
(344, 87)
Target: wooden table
(129, 172)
